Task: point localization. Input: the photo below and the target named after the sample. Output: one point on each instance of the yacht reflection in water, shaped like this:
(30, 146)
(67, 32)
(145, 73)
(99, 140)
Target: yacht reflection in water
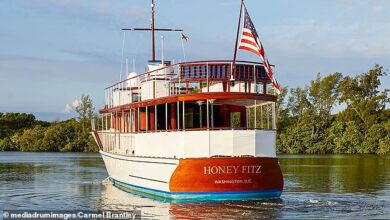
(115, 198)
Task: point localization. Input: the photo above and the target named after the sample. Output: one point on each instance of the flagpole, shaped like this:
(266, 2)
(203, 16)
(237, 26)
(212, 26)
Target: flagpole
(184, 52)
(152, 30)
(238, 34)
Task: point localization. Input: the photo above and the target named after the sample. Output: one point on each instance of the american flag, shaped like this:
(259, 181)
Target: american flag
(250, 41)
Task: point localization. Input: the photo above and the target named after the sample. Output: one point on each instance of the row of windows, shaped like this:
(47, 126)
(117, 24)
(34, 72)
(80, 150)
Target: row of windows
(222, 71)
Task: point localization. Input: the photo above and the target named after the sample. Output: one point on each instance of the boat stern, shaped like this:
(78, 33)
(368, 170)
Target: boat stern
(227, 178)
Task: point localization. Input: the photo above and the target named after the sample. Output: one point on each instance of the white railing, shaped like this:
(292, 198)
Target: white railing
(118, 143)
(191, 144)
(184, 78)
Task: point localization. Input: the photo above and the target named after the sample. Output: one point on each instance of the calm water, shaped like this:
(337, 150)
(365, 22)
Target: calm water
(315, 187)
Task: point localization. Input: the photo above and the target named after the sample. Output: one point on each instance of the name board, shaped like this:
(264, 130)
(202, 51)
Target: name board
(240, 169)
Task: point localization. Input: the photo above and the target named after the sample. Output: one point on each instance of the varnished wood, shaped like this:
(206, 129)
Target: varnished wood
(232, 97)
(203, 62)
(191, 175)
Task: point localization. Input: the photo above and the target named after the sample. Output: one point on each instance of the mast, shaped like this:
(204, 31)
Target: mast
(238, 34)
(152, 27)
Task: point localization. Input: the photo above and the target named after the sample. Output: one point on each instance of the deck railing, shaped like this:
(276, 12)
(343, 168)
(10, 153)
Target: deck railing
(189, 78)
(214, 78)
(183, 144)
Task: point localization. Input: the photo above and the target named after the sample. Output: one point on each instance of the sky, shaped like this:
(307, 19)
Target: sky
(52, 51)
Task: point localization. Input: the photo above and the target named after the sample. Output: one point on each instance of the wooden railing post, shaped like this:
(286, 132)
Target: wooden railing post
(255, 112)
(155, 117)
(255, 79)
(166, 116)
(184, 119)
(207, 112)
(208, 78)
(273, 115)
(178, 115)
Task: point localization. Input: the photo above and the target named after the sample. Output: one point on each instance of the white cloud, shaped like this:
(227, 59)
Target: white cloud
(71, 107)
(76, 103)
(68, 108)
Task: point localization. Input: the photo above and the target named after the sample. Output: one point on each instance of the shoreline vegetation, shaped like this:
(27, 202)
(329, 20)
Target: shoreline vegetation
(22, 132)
(306, 123)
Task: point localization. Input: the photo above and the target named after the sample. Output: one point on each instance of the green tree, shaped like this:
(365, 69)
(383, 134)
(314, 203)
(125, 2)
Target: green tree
(6, 144)
(371, 139)
(298, 102)
(308, 115)
(11, 123)
(61, 136)
(324, 93)
(384, 145)
(32, 139)
(86, 112)
(306, 124)
(364, 101)
(334, 138)
(384, 142)
(351, 139)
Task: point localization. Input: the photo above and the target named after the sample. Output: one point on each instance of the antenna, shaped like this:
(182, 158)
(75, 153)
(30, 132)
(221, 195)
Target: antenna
(183, 49)
(133, 65)
(162, 57)
(152, 26)
(162, 50)
(127, 66)
(123, 47)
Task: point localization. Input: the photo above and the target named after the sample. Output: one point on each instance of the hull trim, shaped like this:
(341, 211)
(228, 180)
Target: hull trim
(201, 196)
(139, 161)
(143, 178)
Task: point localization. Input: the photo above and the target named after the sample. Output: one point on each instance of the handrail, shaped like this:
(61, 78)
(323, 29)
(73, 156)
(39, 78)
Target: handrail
(205, 75)
(184, 63)
(187, 129)
(221, 61)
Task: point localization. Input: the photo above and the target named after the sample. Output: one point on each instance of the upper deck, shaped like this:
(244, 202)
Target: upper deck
(192, 109)
(245, 84)
(190, 96)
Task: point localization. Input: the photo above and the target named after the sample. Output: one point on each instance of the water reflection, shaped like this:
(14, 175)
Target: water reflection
(113, 198)
(336, 174)
(228, 210)
(315, 186)
(48, 180)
